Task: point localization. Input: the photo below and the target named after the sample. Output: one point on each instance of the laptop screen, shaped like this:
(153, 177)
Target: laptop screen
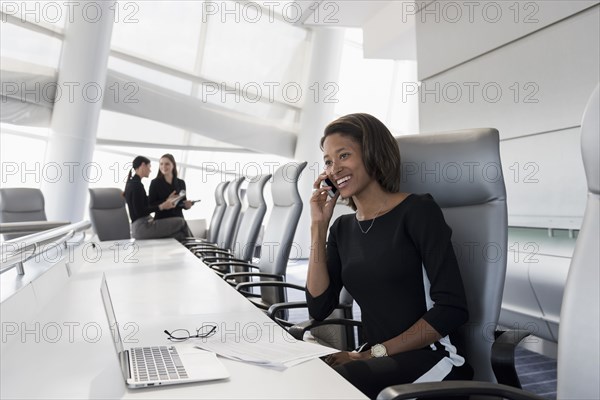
(114, 327)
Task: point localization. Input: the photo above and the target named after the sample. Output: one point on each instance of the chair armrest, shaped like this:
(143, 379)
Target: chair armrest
(297, 304)
(234, 263)
(199, 249)
(246, 285)
(452, 389)
(219, 273)
(285, 306)
(212, 252)
(251, 274)
(199, 245)
(218, 266)
(275, 308)
(503, 356)
(298, 330)
(243, 287)
(218, 251)
(219, 258)
(192, 241)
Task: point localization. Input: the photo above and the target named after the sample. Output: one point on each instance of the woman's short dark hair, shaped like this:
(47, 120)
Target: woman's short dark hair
(170, 157)
(379, 149)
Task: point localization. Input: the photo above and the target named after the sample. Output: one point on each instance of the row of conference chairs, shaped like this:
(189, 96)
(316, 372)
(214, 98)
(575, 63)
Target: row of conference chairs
(232, 237)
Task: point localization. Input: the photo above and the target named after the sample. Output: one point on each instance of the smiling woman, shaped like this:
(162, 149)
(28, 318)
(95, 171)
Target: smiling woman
(143, 225)
(394, 256)
(165, 183)
(377, 153)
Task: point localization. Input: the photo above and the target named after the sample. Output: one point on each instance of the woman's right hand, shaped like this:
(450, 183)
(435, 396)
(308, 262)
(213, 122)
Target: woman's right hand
(321, 205)
(168, 203)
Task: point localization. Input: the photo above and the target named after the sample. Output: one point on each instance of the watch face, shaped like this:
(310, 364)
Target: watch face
(378, 350)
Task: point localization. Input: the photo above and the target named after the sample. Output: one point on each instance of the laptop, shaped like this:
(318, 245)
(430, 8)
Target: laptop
(160, 365)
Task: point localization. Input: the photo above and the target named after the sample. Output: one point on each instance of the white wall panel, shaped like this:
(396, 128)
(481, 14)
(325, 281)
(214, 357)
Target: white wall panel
(545, 181)
(539, 83)
(445, 29)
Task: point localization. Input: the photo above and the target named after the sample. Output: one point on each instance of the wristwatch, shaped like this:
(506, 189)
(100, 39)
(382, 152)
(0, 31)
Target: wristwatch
(378, 350)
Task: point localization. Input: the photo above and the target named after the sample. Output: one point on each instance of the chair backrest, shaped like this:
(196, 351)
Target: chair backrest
(108, 215)
(218, 212)
(281, 228)
(579, 330)
(231, 214)
(21, 205)
(251, 221)
(463, 173)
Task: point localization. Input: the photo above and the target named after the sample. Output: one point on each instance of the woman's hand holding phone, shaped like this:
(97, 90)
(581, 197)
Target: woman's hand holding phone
(322, 201)
(327, 182)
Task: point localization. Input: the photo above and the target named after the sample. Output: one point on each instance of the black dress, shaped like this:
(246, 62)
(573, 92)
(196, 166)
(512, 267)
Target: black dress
(137, 201)
(402, 270)
(160, 189)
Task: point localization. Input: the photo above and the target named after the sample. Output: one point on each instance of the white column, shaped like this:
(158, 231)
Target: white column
(316, 114)
(81, 79)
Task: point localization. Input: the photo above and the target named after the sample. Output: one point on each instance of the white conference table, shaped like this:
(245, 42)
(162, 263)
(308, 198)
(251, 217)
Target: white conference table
(65, 349)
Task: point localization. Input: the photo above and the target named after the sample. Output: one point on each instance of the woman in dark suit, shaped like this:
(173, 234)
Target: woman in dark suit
(165, 183)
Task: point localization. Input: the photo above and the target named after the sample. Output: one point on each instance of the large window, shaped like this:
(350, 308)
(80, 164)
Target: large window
(47, 14)
(375, 87)
(167, 32)
(118, 126)
(178, 46)
(258, 55)
(22, 156)
(231, 55)
(205, 170)
(164, 79)
(33, 47)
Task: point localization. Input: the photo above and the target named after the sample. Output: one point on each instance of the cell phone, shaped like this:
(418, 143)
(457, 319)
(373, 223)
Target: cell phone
(195, 201)
(331, 192)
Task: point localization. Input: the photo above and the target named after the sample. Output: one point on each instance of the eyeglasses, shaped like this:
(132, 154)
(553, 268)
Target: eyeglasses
(179, 335)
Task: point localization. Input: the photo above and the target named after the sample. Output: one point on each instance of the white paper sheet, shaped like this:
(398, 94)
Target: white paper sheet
(278, 351)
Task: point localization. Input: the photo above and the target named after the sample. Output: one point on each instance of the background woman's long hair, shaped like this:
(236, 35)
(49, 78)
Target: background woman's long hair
(170, 157)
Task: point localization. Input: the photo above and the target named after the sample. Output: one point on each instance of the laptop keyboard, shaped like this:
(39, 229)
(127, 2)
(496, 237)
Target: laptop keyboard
(157, 363)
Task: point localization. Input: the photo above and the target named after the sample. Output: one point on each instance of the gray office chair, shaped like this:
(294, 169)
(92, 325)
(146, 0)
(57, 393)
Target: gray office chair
(108, 215)
(463, 173)
(579, 332)
(21, 205)
(229, 220)
(249, 226)
(278, 238)
(216, 218)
